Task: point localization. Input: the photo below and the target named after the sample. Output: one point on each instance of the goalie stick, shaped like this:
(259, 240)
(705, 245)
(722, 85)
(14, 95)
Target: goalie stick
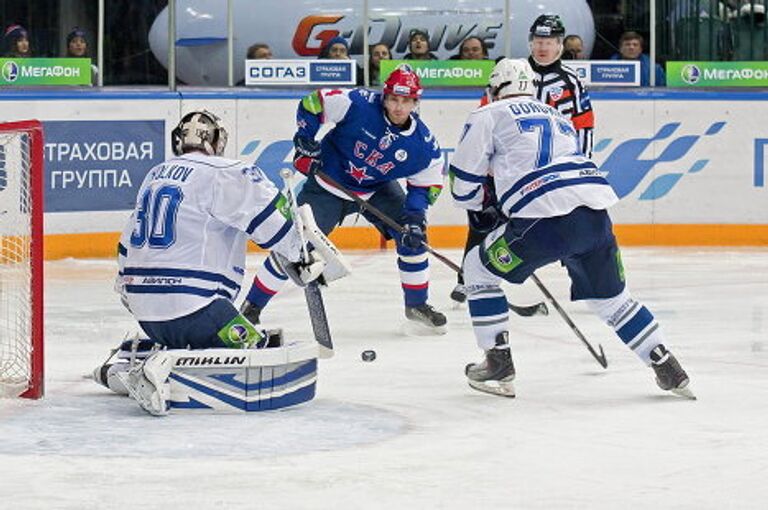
(312, 293)
(523, 311)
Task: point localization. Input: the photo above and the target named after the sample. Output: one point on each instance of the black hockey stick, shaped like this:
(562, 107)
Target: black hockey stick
(312, 292)
(599, 357)
(524, 311)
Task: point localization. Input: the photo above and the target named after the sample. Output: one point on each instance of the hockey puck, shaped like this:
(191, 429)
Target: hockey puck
(368, 355)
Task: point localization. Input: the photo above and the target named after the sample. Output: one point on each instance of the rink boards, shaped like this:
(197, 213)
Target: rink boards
(689, 167)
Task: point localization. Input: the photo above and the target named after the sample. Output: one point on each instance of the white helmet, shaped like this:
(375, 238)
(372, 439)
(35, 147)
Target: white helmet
(511, 77)
(199, 131)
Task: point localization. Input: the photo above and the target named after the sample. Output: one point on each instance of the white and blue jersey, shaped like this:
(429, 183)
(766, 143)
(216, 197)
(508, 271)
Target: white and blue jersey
(184, 245)
(534, 155)
(364, 150)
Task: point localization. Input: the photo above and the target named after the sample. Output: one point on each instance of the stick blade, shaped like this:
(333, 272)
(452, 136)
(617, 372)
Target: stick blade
(319, 319)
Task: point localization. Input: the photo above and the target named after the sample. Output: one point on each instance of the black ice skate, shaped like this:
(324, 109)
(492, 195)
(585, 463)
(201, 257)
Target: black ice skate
(496, 372)
(427, 316)
(670, 376)
(459, 294)
(251, 312)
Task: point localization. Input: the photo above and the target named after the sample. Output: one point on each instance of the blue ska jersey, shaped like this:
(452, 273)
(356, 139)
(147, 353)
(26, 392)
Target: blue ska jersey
(184, 245)
(364, 150)
(535, 158)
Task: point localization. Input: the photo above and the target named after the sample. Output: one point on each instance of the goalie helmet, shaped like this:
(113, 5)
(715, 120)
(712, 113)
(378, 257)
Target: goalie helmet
(403, 82)
(199, 131)
(547, 25)
(511, 77)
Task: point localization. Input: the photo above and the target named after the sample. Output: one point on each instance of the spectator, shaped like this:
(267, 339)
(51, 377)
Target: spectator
(418, 46)
(377, 53)
(335, 49)
(77, 47)
(631, 48)
(17, 42)
(472, 48)
(259, 51)
(338, 49)
(573, 48)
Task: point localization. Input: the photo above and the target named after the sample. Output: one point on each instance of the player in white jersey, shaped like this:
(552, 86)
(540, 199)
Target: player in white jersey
(553, 202)
(182, 253)
(558, 86)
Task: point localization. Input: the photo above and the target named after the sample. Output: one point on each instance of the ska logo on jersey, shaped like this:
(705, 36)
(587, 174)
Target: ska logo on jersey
(359, 174)
(386, 141)
(401, 155)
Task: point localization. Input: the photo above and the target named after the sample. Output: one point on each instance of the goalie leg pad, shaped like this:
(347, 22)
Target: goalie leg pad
(247, 380)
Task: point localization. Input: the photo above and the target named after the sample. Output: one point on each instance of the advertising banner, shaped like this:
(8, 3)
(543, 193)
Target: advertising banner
(300, 72)
(445, 73)
(99, 165)
(45, 71)
(612, 73)
(717, 74)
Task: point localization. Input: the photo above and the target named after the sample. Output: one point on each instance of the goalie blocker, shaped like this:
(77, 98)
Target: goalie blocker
(223, 380)
(326, 263)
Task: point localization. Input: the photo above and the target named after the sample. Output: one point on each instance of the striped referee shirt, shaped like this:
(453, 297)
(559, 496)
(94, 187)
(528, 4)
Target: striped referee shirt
(560, 87)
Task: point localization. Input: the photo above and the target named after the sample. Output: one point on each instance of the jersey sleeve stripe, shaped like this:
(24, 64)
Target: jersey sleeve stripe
(466, 176)
(273, 270)
(263, 215)
(465, 198)
(278, 237)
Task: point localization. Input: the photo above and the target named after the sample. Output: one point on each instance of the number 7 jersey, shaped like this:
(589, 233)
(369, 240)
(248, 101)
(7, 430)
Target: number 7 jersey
(534, 155)
(184, 245)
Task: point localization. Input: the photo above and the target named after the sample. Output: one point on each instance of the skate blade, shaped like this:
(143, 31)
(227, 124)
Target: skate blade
(499, 388)
(413, 328)
(684, 392)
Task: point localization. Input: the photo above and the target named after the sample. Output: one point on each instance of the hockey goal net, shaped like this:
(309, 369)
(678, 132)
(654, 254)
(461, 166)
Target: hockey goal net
(21, 259)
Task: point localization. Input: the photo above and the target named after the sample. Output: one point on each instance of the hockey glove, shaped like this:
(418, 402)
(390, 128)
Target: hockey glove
(486, 220)
(414, 235)
(303, 271)
(306, 158)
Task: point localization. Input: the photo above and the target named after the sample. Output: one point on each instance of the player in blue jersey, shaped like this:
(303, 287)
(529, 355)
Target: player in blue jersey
(552, 203)
(378, 139)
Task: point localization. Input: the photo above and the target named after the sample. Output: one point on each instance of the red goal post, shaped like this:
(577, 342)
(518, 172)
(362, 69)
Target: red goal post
(21, 259)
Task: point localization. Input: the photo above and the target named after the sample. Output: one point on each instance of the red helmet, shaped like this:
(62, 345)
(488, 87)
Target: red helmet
(403, 82)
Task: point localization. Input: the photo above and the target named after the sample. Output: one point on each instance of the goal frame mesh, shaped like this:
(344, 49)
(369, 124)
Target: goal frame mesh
(34, 130)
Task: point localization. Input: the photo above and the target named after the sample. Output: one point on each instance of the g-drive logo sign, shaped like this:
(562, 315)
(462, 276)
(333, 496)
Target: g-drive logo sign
(99, 165)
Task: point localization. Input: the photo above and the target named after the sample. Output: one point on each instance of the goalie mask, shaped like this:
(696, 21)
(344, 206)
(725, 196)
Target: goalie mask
(199, 131)
(511, 77)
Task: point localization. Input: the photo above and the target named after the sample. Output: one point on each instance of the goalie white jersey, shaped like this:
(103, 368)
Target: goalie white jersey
(533, 153)
(184, 245)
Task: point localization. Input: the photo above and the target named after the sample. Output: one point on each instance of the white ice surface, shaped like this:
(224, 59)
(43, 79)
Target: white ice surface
(405, 431)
